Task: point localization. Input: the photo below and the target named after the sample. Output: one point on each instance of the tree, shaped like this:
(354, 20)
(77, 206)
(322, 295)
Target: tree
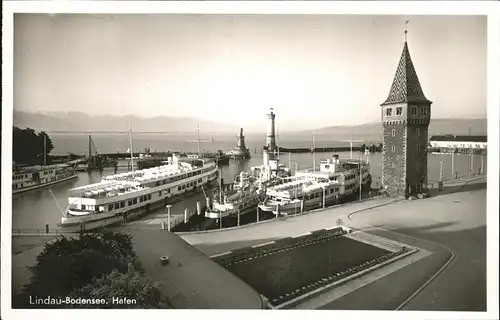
(28, 146)
(68, 264)
(133, 285)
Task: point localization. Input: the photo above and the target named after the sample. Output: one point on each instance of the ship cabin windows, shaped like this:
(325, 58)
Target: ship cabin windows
(134, 201)
(200, 180)
(399, 111)
(388, 112)
(129, 202)
(122, 204)
(117, 205)
(110, 207)
(393, 132)
(179, 188)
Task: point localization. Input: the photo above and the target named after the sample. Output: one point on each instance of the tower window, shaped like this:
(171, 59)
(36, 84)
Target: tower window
(413, 110)
(399, 111)
(393, 148)
(423, 111)
(393, 132)
(388, 112)
(418, 132)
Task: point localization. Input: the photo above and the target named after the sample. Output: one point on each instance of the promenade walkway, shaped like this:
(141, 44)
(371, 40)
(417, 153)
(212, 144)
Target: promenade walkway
(455, 219)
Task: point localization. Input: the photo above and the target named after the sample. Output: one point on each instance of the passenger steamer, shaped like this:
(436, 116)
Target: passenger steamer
(34, 177)
(243, 199)
(306, 190)
(127, 195)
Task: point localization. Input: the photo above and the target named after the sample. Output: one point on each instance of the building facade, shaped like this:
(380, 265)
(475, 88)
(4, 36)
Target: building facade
(459, 144)
(406, 116)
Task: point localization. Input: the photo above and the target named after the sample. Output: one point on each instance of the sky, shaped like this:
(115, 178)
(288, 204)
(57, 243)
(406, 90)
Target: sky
(314, 70)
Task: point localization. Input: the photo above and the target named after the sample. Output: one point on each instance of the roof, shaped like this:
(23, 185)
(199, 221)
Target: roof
(405, 86)
(191, 280)
(460, 138)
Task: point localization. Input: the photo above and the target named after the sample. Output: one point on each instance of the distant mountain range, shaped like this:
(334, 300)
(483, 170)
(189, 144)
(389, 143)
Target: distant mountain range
(81, 122)
(373, 131)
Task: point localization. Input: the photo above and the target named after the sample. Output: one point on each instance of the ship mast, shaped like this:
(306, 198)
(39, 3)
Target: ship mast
(131, 147)
(198, 138)
(314, 151)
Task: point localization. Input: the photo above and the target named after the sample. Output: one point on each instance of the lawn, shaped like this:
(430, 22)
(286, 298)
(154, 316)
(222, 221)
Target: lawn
(287, 273)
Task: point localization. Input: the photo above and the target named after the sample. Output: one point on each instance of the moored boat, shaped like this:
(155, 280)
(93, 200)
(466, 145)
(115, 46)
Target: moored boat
(35, 177)
(127, 195)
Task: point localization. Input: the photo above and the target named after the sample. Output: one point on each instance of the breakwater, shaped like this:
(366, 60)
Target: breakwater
(331, 149)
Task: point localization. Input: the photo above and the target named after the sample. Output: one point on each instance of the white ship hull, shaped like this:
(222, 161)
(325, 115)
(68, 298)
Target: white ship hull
(215, 214)
(88, 220)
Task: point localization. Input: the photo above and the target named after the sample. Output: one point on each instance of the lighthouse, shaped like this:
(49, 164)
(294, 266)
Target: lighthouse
(271, 136)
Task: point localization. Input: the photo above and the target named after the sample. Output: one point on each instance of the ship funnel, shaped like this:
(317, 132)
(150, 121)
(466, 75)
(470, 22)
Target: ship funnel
(335, 159)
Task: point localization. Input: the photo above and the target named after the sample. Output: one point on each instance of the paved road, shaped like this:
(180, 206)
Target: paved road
(455, 219)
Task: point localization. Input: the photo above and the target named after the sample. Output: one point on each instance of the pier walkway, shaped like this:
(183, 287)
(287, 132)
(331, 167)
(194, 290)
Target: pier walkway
(451, 225)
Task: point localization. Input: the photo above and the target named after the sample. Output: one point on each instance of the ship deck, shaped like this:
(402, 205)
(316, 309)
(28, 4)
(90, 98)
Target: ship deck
(188, 281)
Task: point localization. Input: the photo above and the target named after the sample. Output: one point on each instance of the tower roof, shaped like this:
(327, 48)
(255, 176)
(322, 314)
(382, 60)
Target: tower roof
(405, 86)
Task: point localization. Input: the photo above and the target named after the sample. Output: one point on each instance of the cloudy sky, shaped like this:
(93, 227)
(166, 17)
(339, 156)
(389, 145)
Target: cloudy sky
(314, 70)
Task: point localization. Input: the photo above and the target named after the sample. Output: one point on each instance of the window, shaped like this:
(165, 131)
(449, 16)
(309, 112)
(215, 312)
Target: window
(388, 112)
(135, 201)
(149, 197)
(413, 110)
(393, 148)
(423, 111)
(399, 111)
(418, 132)
(393, 132)
(130, 202)
(418, 147)
(179, 188)
(122, 204)
(110, 207)
(117, 205)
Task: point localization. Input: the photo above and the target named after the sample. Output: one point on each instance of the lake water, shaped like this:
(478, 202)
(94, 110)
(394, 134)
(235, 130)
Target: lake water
(34, 209)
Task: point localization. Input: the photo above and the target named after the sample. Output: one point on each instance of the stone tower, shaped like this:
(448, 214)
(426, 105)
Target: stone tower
(406, 115)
